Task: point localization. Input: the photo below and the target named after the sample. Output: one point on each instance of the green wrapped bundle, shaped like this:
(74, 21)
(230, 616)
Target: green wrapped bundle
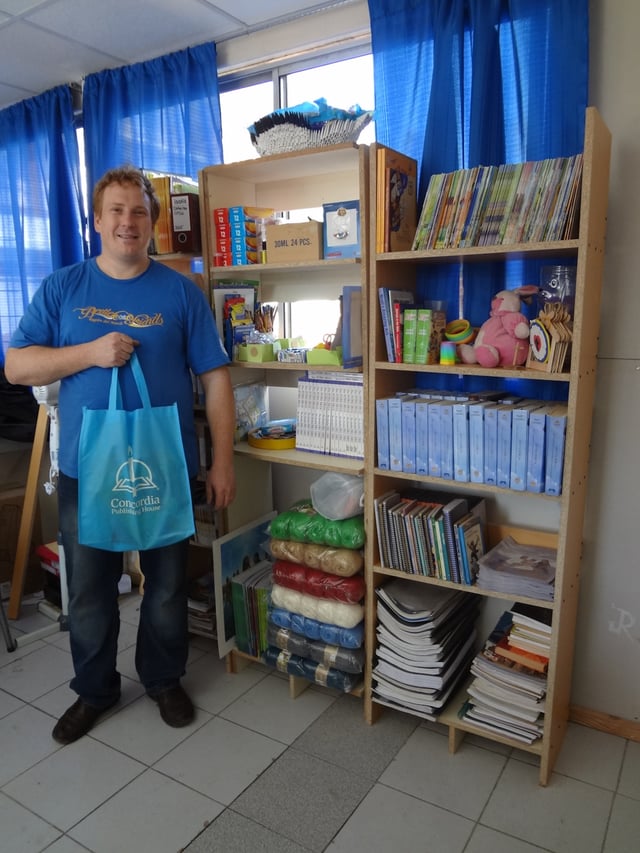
(301, 523)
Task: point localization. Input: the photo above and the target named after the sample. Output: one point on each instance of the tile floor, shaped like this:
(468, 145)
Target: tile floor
(258, 772)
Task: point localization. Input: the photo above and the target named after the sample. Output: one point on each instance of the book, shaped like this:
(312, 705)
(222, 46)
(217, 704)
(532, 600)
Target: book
(396, 199)
(470, 541)
(352, 326)
(423, 335)
(537, 662)
(386, 297)
(428, 211)
(398, 307)
(400, 201)
(409, 334)
(555, 432)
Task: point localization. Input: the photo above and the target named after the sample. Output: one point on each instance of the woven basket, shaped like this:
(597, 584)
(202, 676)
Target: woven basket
(294, 135)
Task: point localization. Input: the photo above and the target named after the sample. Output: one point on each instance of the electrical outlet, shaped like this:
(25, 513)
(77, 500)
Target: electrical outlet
(5, 590)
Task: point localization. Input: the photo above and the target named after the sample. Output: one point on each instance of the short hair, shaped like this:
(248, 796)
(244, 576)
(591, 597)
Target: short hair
(126, 175)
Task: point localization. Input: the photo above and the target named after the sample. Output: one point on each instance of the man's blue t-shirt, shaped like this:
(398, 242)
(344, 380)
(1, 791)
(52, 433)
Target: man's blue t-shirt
(165, 311)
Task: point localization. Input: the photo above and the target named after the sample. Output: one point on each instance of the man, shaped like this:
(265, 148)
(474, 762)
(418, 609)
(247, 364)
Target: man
(84, 320)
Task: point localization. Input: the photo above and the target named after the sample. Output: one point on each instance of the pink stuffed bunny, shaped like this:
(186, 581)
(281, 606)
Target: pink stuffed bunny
(503, 339)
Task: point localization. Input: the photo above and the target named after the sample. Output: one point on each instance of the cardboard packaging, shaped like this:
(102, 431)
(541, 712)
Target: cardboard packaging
(11, 501)
(297, 241)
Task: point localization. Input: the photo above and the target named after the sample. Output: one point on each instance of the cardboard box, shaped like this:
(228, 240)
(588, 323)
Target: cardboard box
(255, 352)
(298, 241)
(11, 501)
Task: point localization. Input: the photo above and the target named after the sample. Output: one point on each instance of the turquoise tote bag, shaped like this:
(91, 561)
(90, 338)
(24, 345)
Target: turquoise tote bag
(133, 484)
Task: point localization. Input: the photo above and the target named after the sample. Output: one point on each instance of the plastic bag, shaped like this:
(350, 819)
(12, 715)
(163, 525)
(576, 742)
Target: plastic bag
(337, 496)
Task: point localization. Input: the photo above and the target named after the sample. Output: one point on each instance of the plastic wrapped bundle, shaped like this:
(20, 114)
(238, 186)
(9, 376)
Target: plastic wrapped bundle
(335, 612)
(309, 669)
(315, 582)
(328, 654)
(350, 638)
(344, 562)
(301, 523)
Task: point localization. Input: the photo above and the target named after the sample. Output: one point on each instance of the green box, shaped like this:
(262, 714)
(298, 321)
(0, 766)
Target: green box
(325, 356)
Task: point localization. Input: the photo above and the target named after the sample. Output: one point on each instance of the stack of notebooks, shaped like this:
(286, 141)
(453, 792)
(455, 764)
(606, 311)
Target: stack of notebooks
(519, 570)
(431, 533)
(507, 694)
(425, 642)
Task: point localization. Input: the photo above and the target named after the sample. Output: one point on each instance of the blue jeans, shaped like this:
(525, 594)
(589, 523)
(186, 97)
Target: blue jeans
(162, 642)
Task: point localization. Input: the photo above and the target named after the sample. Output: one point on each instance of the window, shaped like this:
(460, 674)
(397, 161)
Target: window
(343, 82)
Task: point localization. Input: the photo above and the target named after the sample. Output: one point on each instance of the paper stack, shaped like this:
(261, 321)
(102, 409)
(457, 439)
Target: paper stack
(519, 570)
(426, 640)
(507, 695)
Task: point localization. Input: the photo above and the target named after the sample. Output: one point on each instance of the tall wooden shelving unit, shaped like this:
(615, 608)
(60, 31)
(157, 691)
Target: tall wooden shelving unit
(385, 379)
(299, 180)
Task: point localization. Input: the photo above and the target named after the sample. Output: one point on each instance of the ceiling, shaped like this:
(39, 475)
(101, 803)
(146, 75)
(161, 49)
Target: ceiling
(47, 43)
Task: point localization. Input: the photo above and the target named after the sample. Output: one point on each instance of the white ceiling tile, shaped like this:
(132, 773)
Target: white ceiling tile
(136, 30)
(35, 60)
(45, 43)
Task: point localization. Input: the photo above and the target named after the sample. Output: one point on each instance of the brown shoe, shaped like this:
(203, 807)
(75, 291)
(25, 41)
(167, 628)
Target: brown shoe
(76, 721)
(176, 709)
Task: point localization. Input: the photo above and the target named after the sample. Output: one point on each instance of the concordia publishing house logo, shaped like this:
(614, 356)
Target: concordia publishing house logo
(134, 476)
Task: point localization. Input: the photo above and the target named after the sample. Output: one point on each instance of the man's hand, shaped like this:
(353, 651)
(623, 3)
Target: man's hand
(113, 350)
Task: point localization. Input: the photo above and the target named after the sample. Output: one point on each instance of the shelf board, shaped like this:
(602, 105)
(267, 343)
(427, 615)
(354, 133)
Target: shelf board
(449, 717)
(308, 162)
(299, 366)
(473, 370)
(475, 590)
(291, 267)
(303, 459)
(479, 254)
(439, 483)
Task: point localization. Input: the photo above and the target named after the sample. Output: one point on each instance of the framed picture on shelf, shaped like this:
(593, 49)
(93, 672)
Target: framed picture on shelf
(232, 554)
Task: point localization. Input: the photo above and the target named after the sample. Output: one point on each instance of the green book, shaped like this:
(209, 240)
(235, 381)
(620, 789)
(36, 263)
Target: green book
(409, 329)
(422, 336)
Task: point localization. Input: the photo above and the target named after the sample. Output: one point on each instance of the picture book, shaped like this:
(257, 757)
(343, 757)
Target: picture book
(396, 200)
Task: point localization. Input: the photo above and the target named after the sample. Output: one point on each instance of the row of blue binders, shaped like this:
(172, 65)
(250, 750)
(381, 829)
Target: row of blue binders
(506, 441)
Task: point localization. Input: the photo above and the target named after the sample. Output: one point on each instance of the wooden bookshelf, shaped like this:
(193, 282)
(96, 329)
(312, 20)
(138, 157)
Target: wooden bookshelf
(566, 512)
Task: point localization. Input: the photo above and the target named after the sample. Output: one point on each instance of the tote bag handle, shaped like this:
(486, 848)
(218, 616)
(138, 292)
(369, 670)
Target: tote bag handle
(115, 396)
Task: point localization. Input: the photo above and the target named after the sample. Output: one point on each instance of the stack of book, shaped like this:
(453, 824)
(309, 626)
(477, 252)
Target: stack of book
(433, 534)
(501, 205)
(425, 642)
(330, 414)
(507, 693)
(250, 591)
(201, 607)
(519, 570)
(413, 331)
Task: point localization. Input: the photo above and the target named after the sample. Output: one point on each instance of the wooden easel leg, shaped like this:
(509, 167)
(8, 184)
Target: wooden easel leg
(28, 515)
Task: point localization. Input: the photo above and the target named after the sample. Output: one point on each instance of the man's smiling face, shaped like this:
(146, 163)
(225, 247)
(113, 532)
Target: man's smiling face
(124, 224)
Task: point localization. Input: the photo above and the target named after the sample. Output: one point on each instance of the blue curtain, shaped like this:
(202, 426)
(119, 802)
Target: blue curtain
(162, 115)
(461, 83)
(41, 218)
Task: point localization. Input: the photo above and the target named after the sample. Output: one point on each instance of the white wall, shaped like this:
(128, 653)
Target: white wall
(607, 664)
